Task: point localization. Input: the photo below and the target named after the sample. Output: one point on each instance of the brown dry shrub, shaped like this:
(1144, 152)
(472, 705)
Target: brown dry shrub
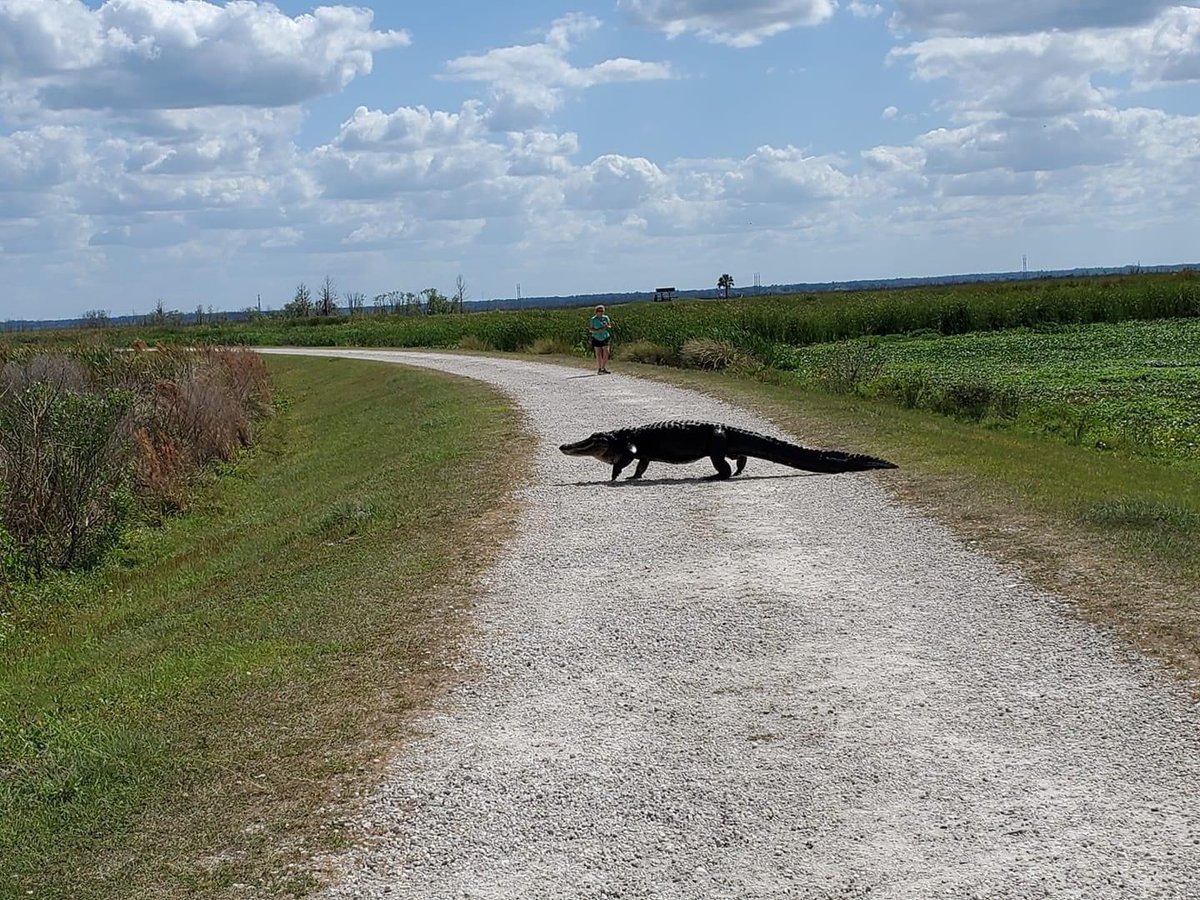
(246, 375)
(202, 416)
(160, 472)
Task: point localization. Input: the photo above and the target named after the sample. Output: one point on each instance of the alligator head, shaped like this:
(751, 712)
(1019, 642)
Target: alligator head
(603, 445)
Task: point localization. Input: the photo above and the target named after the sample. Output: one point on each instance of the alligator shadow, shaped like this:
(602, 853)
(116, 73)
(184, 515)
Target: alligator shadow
(626, 482)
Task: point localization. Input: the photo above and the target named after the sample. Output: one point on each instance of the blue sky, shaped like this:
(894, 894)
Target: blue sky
(208, 153)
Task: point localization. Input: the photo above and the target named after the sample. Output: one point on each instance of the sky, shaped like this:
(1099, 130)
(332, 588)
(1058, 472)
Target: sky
(215, 154)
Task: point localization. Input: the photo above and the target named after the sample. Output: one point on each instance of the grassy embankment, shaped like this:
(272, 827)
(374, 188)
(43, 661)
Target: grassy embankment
(193, 714)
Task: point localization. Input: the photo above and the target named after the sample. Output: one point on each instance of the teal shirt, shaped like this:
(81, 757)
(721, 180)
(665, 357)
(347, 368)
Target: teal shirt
(600, 326)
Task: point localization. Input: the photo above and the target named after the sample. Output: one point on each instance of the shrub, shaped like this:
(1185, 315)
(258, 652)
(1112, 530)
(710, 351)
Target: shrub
(974, 400)
(245, 375)
(910, 389)
(852, 365)
(648, 352)
(64, 466)
(85, 435)
(160, 472)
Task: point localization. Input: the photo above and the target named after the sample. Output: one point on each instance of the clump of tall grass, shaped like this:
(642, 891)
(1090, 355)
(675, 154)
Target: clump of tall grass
(705, 353)
(546, 346)
(474, 343)
(647, 352)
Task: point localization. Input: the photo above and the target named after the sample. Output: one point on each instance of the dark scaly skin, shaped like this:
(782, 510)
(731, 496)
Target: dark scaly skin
(686, 441)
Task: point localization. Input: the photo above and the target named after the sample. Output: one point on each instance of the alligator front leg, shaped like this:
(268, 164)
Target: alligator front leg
(622, 461)
(642, 465)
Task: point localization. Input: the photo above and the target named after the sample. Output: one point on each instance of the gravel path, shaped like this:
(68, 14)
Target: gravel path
(774, 686)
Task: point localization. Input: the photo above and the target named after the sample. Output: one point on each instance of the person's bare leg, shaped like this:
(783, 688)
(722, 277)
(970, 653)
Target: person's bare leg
(599, 359)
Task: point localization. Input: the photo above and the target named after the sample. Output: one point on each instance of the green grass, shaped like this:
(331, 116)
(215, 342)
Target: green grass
(1133, 386)
(193, 714)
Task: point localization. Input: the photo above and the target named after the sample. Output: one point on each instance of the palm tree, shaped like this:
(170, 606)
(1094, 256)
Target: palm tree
(725, 282)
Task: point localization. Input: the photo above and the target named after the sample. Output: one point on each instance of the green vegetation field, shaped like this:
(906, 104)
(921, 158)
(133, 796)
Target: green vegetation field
(1133, 386)
(762, 326)
(191, 714)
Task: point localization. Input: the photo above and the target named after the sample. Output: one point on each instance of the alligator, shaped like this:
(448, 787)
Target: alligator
(688, 441)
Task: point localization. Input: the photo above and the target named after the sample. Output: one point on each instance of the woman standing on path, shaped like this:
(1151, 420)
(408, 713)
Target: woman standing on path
(600, 328)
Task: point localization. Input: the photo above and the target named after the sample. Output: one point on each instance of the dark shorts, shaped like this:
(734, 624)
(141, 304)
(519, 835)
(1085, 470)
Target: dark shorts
(596, 342)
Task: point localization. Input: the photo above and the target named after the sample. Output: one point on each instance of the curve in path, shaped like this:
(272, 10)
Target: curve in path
(779, 685)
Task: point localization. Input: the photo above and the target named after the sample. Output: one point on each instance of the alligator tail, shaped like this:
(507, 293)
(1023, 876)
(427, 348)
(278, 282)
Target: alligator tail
(807, 458)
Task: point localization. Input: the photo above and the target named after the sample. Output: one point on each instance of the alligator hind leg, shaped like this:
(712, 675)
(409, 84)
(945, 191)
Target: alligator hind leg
(741, 464)
(722, 467)
(717, 455)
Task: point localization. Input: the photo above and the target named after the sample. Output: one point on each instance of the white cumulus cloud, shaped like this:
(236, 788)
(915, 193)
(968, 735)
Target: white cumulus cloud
(528, 82)
(738, 23)
(1022, 16)
(161, 54)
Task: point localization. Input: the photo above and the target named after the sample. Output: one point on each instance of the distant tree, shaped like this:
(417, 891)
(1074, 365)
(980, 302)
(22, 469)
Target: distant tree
(725, 282)
(159, 314)
(385, 302)
(96, 318)
(355, 301)
(301, 305)
(460, 291)
(436, 303)
(327, 301)
(199, 320)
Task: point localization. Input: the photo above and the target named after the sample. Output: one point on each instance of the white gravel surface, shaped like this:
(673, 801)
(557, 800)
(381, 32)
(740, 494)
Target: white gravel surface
(776, 686)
